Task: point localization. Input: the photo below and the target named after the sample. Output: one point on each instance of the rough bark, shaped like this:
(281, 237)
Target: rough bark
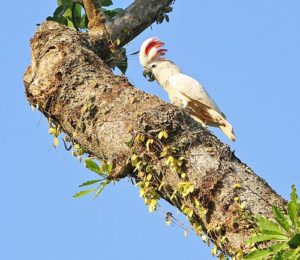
(135, 19)
(95, 16)
(66, 74)
(126, 26)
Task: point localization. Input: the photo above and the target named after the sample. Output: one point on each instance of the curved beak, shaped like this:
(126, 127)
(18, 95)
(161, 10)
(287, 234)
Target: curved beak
(147, 73)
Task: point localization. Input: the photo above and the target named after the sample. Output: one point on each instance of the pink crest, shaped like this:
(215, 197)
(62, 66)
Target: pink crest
(151, 50)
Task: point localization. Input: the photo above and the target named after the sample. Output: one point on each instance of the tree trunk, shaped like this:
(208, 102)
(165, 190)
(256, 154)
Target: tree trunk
(67, 76)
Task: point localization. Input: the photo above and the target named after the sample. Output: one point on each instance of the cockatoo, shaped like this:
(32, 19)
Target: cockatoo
(182, 90)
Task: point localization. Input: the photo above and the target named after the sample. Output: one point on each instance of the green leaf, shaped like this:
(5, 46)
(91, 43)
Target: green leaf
(293, 208)
(70, 23)
(280, 218)
(55, 142)
(258, 254)
(279, 256)
(91, 165)
(294, 197)
(265, 224)
(262, 253)
(295, 241)
(106, 2)
(62, 15)
(167, 18)
(160, 19)
(266, 237)
(89, 183)
(78, 9)
(149, 141)
(62, 20)
(101, 188)
(68, 13)
(114, 12)
(291, 255)
(118, 41)
(84, 22)
(83, 193)
(163, 134)
(277, 247)
(118, 10)
(168, 9)
(59, 11)
(107, 167)
(67, 3)
(76, 15)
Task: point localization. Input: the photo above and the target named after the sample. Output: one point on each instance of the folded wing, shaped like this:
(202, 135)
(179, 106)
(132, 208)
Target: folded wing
(201, 106)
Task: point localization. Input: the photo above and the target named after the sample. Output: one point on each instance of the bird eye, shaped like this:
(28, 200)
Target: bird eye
(153, 66)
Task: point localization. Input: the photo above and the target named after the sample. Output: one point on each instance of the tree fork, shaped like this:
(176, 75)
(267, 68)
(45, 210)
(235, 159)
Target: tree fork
(66, 76)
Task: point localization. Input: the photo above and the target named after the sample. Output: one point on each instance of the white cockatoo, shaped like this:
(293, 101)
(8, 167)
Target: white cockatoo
(182, 90)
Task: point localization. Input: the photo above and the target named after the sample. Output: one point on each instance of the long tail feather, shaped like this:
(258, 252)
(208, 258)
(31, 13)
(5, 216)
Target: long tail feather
(222, 124)
(228, 131)
(211, 117)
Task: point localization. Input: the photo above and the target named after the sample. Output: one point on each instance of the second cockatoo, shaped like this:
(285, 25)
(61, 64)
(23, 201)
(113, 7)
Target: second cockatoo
(182, 90)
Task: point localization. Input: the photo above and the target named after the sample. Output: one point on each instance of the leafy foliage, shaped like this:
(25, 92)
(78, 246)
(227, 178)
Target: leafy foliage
(284, 233)
(70, 13)
(102, 171)
(112, 13)
(162, 15)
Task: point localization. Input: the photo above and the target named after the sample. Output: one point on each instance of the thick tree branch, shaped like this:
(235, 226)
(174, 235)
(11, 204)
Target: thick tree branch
(135, 19)
(96, 18)
(66, 75)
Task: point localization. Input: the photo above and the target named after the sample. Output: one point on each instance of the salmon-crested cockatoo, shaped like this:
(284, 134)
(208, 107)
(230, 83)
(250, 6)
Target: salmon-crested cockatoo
(182, 90)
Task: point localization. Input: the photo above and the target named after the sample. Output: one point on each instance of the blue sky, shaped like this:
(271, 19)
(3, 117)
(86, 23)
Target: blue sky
(245, 53)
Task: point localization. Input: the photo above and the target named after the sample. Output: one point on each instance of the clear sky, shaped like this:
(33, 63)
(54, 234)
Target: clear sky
(245, 53)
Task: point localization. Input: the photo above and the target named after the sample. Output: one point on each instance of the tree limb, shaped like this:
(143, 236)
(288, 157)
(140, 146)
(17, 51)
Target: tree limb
(135, 19)
(126, 26)
(66, 75)
(96, 18)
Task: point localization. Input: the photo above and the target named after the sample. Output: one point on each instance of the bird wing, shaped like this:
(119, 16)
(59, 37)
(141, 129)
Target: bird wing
(193, 90)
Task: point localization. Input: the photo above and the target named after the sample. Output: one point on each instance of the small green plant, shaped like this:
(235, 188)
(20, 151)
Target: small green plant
(101, 183)
(283, 234)
(162, 15)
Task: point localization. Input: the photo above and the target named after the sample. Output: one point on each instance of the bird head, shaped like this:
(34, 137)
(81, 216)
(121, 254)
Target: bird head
(150, 54)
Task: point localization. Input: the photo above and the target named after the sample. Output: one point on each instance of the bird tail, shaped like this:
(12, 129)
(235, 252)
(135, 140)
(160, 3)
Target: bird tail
(222, 124)
(228, 130)
(217, 120)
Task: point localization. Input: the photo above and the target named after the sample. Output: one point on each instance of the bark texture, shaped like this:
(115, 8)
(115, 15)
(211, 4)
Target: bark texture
(135, 19)
(95, 16)
(66, 75)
